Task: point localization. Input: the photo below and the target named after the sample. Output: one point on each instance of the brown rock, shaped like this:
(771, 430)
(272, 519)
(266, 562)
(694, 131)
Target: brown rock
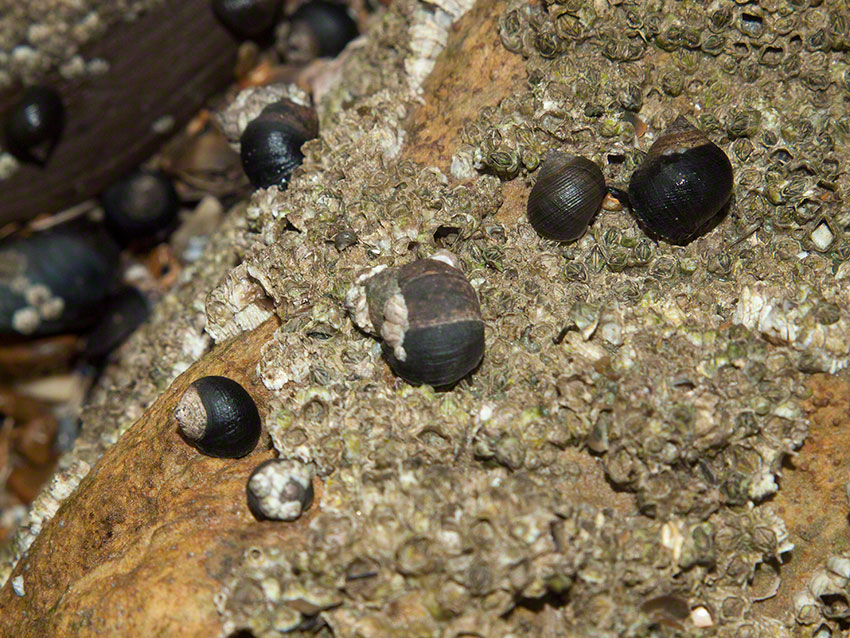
(138, 548)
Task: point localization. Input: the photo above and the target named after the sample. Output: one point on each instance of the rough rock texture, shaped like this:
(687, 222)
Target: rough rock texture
(624, 460)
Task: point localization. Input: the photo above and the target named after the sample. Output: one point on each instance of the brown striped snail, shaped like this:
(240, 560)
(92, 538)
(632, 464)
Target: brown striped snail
(566, 197)
(427, 315)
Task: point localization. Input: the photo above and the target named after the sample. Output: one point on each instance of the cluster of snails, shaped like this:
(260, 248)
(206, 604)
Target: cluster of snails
(318, 28)
(219, 417)
(676, 193)
(140, 206)
(64, 279)
(271, 143)
(428, 317)
(60, 284)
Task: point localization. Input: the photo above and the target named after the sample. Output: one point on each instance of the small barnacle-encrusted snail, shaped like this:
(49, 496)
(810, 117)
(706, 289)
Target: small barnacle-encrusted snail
(140, 208)
(219, 417)
(683, 183)
(428, 316)
(247, 18)
(568, 193)
(280, 490)
(271, 143)
(34, 124)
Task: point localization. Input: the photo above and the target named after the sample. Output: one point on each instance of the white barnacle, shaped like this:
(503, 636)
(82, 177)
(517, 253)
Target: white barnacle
(672, 538)
(762, 485)
(839, 565)
(447, 257)
(52, 308)
(37, 294)
(806, 609)
(26, 320)
(701, 617)
(395, 325)
(357, 301)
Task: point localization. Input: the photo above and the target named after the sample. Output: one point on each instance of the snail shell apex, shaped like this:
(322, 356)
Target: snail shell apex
(568, 193)
(683, 183)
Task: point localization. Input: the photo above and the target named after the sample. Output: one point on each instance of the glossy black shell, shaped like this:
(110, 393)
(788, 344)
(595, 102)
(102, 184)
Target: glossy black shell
(247, 18)
(445, 338)
(682, 185)
(141, 208)
(76, 262)
(329, 22)
(233, 423)
(34, 124)
(566, 197)
(271, 143)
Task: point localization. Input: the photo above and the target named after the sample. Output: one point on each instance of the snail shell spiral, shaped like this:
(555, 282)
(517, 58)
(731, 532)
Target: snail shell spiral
(568, 192)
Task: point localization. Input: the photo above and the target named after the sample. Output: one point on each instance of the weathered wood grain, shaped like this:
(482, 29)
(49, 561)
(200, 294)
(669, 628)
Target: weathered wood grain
(165, 64)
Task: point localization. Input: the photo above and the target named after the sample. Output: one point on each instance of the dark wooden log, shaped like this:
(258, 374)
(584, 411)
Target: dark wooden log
(165, 64)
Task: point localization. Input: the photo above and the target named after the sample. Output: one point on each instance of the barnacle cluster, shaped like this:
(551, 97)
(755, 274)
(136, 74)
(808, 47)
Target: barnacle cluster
(823, 604)
(681, 369)
(476, 560)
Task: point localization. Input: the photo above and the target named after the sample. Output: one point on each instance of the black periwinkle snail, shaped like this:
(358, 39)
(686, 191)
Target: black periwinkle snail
(247, 18)
(567, 195)
(140, 208)
(280, 490)
(34, 124)
(318, 29)
(271, 143)
(219, 417)
(683, 183)
(428, 316)
(56, 280)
